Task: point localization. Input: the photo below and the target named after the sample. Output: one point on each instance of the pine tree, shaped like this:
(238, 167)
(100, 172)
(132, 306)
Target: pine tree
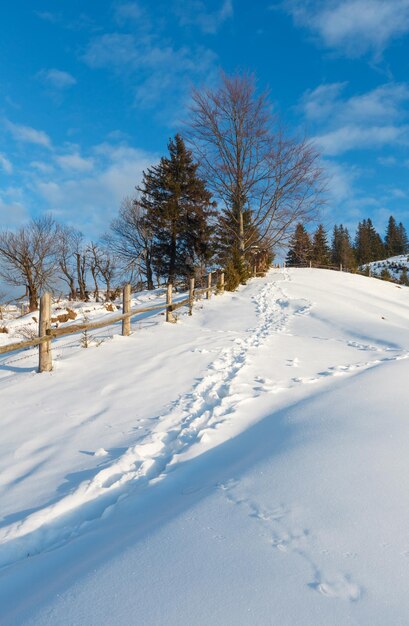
(299, 251)
(342, 252)
(320, 253)
(177, 209)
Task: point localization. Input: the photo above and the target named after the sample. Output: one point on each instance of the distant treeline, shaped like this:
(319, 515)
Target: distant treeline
(367, 246)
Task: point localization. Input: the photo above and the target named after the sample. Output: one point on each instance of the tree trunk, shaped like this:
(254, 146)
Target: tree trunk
(33, 298)
(149, 273)
(172, 261)
(96, 291)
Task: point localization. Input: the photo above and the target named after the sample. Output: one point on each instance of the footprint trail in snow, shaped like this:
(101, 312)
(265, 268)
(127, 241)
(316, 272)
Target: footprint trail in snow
(192, 419)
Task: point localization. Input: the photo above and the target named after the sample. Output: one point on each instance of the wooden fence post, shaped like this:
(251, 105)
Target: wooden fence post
(169, 315)
(310, 264)
(45, 362)
(126, 308)
(340, 267)
(222, 282)
(209, 286)
(191, 294)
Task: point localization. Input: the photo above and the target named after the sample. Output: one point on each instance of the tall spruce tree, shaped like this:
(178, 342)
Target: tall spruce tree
(393, 239)
(404, 241)
(342, 252)
(178, 209)
(320, 251)
(299, 251)
(368, 243)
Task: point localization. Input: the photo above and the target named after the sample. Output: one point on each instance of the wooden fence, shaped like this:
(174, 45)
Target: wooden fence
(46, 333)
(335, 268)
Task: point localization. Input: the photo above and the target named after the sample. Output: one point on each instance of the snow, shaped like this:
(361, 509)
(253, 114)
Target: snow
(394, 264)
(247, 465)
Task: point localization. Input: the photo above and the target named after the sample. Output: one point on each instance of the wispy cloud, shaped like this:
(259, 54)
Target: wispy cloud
(56, 79)
(156, 66)
(368, 120)
(5, 164)
(89, 199)
(26, 134)
(355, 137)
(128, 11)
(354, 27)
(197, 13)
(75, 162)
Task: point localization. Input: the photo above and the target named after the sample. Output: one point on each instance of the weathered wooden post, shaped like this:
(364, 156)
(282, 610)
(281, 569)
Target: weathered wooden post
(310, 264)
(45, 362)
(191, 294)
(169, 315)
(222, 282)
(340, 267)
(209, 286)
(126, 308)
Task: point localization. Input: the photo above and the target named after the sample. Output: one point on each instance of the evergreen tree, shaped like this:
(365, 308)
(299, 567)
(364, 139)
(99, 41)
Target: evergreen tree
(385, 274)
(404, 240)
(368, 243)
(177, 210)
(342, 252)
(299, 251)
(320, 253)
(404, 278)
(393, 243)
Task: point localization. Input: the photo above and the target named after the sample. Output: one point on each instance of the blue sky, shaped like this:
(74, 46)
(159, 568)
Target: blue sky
(90, 93)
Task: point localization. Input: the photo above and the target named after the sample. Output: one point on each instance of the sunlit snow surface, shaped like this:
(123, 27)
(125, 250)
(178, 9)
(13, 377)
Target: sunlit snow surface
(248, 465)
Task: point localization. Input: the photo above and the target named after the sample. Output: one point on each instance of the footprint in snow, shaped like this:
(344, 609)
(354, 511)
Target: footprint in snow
(341, 587)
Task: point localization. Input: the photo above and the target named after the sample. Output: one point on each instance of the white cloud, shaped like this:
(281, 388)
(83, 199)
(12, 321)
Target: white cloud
(90, 202)
(5, 164)
(356, 137)
(197, 12)
(12, 213)
(384, 103)
(26, 134)
(368, 120)
(75, 162)
(354, 26)
(57, 79)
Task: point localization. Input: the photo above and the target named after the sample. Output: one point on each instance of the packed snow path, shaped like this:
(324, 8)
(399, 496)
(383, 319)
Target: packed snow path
(296, 347)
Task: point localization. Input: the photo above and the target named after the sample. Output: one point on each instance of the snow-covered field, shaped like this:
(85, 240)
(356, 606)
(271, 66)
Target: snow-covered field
(248, 465)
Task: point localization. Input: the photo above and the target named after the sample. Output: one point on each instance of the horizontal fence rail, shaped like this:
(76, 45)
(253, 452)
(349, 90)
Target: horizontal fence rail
(46, 333)
(335, 268)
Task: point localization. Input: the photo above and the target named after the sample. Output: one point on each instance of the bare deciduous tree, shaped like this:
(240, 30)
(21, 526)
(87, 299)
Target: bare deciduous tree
(266, 181)
(132, 240)
(69, 241)
(94, 261)
(28, 257)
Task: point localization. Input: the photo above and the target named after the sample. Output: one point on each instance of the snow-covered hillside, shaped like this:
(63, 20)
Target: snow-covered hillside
(247, 465)
(394, 265)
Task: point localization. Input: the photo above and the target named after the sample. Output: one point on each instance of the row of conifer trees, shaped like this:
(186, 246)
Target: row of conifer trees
(366, 247)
